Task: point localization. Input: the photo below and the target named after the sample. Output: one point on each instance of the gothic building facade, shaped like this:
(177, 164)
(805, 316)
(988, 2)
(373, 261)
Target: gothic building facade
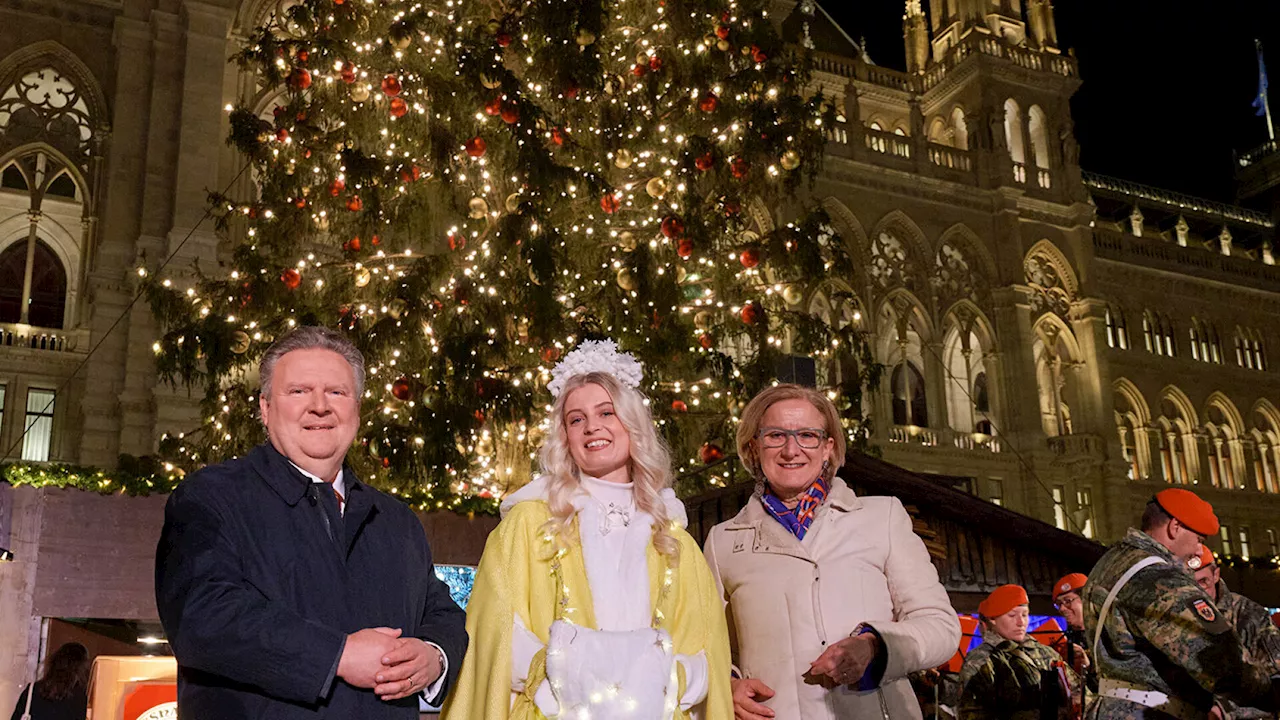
(1056, 342)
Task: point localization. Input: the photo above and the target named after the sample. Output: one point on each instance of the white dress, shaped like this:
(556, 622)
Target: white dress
(615, 537)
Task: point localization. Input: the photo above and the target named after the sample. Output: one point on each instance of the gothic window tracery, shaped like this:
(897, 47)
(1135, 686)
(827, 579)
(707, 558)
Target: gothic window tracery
(891, 262)
(1051, 292)
(44, 105)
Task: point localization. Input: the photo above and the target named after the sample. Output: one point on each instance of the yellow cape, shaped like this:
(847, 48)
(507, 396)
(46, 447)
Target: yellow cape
(515, 577)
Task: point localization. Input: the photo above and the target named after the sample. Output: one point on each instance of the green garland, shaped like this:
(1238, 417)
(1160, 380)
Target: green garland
(135, 480)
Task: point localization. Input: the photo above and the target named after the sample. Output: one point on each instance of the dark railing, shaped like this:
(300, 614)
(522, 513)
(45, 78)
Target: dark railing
(1153, 252)
(1174, 200)
(1256, 154)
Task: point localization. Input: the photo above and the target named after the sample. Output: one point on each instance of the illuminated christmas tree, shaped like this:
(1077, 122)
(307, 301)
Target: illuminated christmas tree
(470, 189)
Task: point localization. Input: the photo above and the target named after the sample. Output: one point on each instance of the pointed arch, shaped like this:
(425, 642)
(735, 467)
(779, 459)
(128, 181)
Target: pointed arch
(1047, 249)
(1013, 131)
(53, 53)
(911, 232)
(61, 159)
(1223, 403)
(1267, 409)
(1181, 402)
(980, 325)
(1133, 396)
(1050, 327)
(847, 224)
(969, 375)
(1038, 129)
(964, 237)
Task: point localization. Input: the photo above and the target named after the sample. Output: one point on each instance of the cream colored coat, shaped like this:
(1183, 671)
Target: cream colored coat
(787, 600)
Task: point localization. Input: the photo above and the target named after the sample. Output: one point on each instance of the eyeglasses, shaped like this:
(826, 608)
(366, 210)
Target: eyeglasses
(807, 438)
(1068, 600)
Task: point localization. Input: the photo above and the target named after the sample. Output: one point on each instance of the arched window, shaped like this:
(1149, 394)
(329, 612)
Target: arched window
(1013, 132)
(960, 129)
(1249, 349)
(47, 302)
(1038, 130)
(1117, 330)
(1266, 449)
(909, 402)
(1225, 451)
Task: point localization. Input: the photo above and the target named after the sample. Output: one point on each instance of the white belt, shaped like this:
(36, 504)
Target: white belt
(1153, 699)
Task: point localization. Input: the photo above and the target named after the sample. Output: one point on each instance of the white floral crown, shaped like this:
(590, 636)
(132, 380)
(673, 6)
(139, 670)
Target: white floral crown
(596, 356)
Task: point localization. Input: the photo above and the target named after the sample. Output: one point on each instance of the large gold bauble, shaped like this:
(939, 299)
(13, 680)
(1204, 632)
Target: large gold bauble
(702, 320)
(359, 92)
(513, 202)
(790, 160)
(396, 308)
(627, 241)
(478, 208)
(363, 276)
(627, 279)
(239, 342)
(792, 294)
(656, 187)
(623, 158)
(681, 274)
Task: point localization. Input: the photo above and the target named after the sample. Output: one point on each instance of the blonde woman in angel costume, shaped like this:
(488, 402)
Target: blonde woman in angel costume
(591, 600)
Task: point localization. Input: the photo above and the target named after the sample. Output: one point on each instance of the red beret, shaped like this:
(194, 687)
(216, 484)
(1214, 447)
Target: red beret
(1002, 600)
(1070, 583)
(1188, 509)
(1203, 560)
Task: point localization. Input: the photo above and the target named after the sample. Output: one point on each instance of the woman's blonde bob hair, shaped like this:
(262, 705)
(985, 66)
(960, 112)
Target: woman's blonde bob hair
(649, 469)
(753, 415)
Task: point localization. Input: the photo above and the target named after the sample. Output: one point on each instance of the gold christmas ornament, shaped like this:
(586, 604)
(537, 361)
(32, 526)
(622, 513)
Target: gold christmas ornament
(792, 294)
(478, 207)
(397, 307)
(614, 84)
(239, 342)
(359, 92)
(627, 241)
(484, 446)
(790, 160)
(513, 202)
(623, 158)
(585, 37)
(627, 280)
(723, 45)
(702, 320)
(656, 187)
(489, 81)
(363, 276)
(681, 274)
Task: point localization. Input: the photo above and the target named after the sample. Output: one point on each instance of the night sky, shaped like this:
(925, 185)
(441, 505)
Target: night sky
(1167, 83)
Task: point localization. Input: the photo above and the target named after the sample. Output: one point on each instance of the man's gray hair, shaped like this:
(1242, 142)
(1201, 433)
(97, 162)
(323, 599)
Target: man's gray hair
(309, 337)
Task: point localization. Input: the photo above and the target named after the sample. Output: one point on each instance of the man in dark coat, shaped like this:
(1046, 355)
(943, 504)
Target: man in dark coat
(288, 588)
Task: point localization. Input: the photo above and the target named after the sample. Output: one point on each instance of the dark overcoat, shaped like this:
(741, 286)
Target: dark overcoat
(259, 580)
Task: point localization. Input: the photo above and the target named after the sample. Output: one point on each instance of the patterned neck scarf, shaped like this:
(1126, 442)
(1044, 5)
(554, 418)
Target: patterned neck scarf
(797, 520)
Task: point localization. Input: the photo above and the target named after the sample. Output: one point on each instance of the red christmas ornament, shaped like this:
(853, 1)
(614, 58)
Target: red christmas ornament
(510, 114)
(503, 38)
(398, 107)
(705, 162)
(456, 241)
(679, 406)
(610, 203)
(709, 102)
(391, 86)
(493, 108)
(571, 90)
(282, 135)
(638, 70)
(375, 240)
(402, 388)
(409, 174)
(354, 204)
(300, 203)
(348, 74)
(476, 147)
(672, 226)
(352, 245)
(752, 313)
(655, 63)
(303, 56)
(557, 136)
(299, 78)
(739, 167)
(291, 278)
(478, 415)
(710, 452)
(732, 207)
(757, 54)
(749, 258)
(386, 462)
(706, 341)
(722, 32)
(684, 248)
(550, 353)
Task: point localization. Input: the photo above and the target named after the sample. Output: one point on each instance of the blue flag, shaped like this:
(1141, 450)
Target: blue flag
(1260, 102)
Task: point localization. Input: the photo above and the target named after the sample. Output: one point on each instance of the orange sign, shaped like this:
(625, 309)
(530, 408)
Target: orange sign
(151, 701)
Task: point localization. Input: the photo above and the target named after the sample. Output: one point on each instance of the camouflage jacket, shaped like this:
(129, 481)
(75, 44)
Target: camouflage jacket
(1163, 633)
(1259, 636)
(1007, 679)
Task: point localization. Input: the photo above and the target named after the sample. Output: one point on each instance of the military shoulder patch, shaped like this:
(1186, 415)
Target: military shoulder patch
(1205, 610)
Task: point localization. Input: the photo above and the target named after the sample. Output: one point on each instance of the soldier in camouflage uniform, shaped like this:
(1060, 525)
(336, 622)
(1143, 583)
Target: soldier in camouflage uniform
(1165, 650)
(1012, 675)
(1260, 638)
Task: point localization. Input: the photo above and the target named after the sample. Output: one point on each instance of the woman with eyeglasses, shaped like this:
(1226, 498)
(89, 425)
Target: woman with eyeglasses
(831, 598)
